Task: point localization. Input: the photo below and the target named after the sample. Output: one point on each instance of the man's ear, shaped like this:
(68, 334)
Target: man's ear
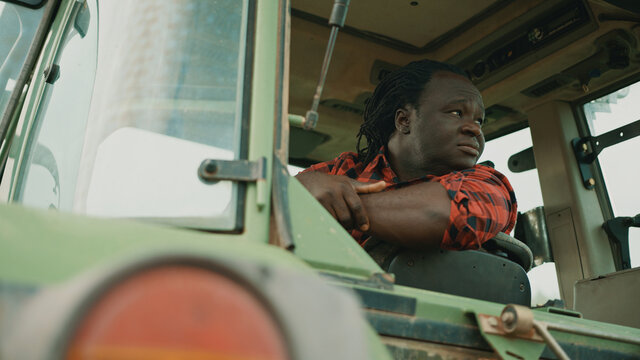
(403, 120)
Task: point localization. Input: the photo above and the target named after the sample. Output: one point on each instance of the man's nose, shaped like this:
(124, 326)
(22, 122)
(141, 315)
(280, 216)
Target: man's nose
(471, 128)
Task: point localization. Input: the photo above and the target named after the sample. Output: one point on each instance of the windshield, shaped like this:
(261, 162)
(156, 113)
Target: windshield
(146, 91)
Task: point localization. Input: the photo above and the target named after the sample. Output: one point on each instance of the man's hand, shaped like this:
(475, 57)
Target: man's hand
(339, 195)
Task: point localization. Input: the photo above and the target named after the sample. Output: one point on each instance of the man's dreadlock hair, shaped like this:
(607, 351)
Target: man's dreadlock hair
(400, 88)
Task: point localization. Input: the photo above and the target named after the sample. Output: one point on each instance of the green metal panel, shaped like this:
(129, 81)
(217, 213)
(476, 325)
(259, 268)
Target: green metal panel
(321, 240)
(263, 111)
(41, 247)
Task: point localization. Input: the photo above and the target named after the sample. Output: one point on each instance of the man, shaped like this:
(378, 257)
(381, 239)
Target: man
(416, 183)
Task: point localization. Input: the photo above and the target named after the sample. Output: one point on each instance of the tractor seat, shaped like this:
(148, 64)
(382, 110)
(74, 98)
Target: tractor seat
(495, 273)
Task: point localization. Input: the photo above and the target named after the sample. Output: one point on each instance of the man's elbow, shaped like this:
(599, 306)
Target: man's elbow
(422, 232)
(434, 225)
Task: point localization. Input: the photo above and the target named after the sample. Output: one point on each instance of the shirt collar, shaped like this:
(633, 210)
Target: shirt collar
(381, 165)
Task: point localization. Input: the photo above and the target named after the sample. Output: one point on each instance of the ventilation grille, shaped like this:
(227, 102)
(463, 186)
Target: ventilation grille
(546, 86)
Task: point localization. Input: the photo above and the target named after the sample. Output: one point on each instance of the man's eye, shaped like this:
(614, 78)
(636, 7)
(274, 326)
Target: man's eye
(480, 121)
(457, 113)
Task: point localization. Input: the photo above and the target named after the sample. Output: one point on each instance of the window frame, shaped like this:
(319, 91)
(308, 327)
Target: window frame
(583, 130)
(602, 192)
(34, 101)
(10, 116)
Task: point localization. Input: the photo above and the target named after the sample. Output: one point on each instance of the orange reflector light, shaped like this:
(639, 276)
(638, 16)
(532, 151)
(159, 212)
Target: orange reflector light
(178, 312)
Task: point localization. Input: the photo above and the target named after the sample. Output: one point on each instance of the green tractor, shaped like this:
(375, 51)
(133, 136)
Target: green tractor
(149, 210)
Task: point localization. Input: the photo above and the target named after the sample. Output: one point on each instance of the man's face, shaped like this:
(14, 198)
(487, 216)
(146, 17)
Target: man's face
(444, 133)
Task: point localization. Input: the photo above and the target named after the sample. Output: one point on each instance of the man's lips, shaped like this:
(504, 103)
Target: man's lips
(471, 149)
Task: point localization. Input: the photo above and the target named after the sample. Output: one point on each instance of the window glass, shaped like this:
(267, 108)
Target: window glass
(18, 27)
(526, 185)
(619, 169)
(54, 148)
(145, 93)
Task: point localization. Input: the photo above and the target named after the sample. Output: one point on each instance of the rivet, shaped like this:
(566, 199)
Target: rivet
(591, 182)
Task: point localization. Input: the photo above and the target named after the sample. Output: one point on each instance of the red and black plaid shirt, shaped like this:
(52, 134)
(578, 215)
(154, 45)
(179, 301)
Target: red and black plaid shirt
(482, 200)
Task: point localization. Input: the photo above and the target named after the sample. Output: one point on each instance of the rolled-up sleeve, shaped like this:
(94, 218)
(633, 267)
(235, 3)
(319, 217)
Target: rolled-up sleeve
(482, 204)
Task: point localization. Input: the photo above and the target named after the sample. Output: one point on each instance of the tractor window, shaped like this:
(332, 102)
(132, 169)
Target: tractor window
(54, 148)
(525, 184)
(136, 107)
(544, 283)
(618, 162)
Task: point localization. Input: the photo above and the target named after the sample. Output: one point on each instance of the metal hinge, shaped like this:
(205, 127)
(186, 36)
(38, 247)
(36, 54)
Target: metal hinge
(213, 170)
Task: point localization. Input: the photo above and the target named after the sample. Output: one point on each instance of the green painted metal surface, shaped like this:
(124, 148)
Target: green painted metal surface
(41, 247)
(44, 247)
(262, 113)
(320, 240)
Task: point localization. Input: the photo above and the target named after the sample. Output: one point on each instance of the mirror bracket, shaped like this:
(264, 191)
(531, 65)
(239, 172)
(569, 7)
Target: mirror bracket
(588, 148)
(618, 231)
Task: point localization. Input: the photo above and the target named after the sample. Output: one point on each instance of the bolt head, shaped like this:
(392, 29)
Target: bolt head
(210, 168)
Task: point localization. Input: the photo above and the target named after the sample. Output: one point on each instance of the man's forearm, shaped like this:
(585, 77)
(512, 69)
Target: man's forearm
(415, 216)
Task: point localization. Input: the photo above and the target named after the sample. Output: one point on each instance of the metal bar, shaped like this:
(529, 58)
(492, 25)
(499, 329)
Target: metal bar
(280, 198)
(282, 236)
(311, 117)
(7, 129)
(593, 333)
(551, 342)
(338, 16)
(296, 120)
(615, 136)
(586, 149)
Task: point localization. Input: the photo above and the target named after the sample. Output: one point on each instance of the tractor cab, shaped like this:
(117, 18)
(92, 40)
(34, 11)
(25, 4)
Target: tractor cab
(149, 207)
(557, 82)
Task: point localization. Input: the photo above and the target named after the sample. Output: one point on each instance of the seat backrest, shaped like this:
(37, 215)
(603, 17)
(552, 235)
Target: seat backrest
(514, 249)
(495, 273)
(470, 273)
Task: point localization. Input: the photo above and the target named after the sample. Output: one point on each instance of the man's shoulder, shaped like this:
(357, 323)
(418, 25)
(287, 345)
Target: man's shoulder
(483, 173)
(342, 162)
(483, 170)
(349, 156)
(490, 177)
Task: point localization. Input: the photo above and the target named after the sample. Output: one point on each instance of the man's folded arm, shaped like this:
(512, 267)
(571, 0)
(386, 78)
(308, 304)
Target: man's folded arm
(461, 213)
(415, 216)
